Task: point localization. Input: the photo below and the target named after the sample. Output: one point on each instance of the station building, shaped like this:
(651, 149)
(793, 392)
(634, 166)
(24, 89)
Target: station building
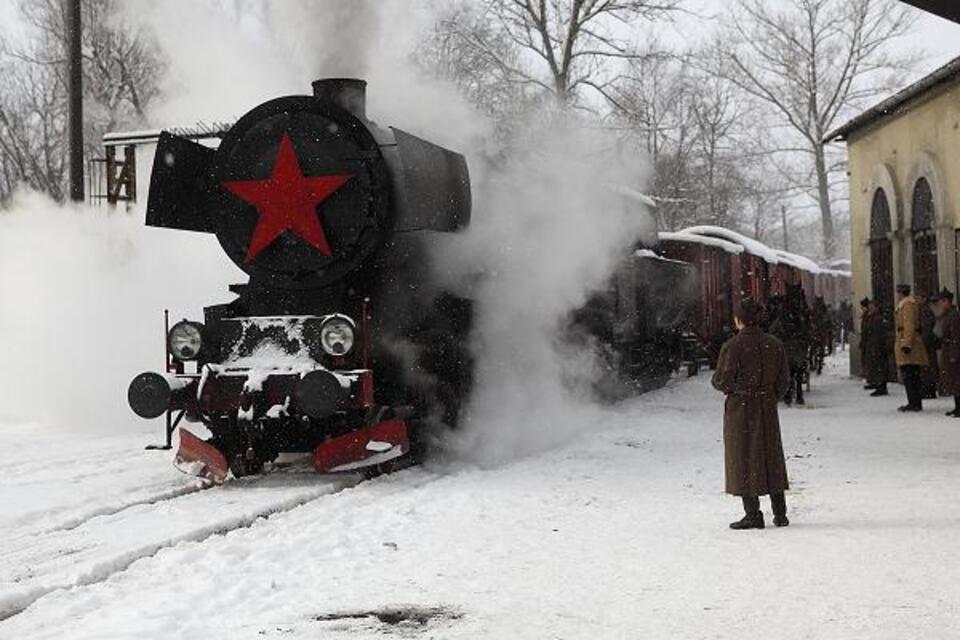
(904, 164)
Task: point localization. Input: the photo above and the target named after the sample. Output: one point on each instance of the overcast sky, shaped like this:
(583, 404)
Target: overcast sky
(940, 38)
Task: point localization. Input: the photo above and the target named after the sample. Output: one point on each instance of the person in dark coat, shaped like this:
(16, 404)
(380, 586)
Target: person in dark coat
(792, 327)
(844, 323)
(754, 374)
(873, 349)
(928, 321)
(821, 334)
(949, 349)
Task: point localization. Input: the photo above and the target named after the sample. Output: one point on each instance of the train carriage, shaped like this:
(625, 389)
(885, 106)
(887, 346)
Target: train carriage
(718, 264)
(732, 266)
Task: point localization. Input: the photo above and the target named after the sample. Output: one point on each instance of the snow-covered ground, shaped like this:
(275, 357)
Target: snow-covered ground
(621, 534)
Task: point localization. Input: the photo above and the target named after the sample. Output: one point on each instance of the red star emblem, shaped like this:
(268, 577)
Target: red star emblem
(287, 201)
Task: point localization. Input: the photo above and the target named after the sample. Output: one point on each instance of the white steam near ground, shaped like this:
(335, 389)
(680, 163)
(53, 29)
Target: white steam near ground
(82, 290)
(547, 230)
(82, 293)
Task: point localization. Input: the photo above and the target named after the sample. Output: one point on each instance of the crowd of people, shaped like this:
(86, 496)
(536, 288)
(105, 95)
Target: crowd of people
(776, 346)
(923, 341)
(809, 334)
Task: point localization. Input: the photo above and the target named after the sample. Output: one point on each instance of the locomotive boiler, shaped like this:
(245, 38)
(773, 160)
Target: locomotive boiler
(339, 345)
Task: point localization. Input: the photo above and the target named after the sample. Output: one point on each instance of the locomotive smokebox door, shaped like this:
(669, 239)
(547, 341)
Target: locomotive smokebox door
(304, 193)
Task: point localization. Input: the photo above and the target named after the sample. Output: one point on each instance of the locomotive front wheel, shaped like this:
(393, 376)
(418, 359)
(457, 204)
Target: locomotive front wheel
(241, 465)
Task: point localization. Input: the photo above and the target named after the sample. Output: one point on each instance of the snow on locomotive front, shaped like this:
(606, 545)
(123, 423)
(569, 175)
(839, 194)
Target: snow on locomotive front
(339, 342)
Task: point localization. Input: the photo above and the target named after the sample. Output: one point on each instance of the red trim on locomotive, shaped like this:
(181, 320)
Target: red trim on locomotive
(354, 450)
(193, 450)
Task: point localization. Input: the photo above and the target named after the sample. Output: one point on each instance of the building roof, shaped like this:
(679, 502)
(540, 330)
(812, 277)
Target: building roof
(200, 131)
(946, 74)
(948, 10)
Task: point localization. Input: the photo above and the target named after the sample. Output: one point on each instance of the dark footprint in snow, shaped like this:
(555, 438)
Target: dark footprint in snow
(409, 617)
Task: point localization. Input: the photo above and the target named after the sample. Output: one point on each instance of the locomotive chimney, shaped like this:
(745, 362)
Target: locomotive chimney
(347, 93)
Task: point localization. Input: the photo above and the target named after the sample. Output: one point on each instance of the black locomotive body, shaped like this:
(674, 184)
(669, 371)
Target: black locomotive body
(637, 324)
(338, 344)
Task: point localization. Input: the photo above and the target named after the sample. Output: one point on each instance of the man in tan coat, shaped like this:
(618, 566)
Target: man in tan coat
(754, 373)
(908, 349)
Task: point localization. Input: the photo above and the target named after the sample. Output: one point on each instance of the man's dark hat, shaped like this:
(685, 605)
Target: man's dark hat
(945, 294)
(865, 302)
(903, 289)
(749, 312)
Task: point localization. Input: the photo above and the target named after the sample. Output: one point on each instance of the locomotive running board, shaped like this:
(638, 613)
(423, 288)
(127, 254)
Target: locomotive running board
(199, 458)
(365, 448)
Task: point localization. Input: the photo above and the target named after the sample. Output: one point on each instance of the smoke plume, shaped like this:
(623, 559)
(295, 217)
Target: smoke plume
(548, 230)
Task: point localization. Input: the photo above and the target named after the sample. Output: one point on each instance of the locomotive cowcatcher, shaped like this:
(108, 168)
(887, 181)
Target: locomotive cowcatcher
(339, 345)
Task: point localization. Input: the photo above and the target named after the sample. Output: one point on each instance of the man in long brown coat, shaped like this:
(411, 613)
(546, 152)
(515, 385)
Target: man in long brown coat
(754, 373)
(949, 350)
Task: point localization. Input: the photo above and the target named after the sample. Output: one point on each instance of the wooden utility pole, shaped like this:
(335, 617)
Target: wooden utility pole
(783, 221)
(75, 88)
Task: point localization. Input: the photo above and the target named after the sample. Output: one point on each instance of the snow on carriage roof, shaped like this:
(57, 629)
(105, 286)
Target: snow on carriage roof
(647, 253)
(839, 273)
(681, 236)
(800, 262)
(751, 246)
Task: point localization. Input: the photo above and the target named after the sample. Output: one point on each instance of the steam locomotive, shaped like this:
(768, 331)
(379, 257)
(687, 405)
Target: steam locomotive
(339, 345)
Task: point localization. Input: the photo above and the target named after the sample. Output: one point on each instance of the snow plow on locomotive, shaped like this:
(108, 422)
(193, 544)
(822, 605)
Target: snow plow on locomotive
(338, 345)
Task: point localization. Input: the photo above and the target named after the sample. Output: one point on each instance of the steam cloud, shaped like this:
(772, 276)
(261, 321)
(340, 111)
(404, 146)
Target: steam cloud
(82, 292)
(545, 229)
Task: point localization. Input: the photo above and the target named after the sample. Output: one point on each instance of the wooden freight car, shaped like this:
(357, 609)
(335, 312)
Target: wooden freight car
(732, 266)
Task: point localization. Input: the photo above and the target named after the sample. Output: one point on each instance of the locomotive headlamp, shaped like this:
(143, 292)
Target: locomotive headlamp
(337, 335)
(185, 340)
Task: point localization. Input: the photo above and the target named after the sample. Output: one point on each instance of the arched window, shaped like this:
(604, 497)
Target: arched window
(879, 216)
(881, 253)
(925, 270)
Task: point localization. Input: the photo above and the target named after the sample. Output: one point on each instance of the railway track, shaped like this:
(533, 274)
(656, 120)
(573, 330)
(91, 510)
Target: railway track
(96, 547)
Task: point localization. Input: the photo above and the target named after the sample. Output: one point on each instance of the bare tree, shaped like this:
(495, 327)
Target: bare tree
(32, 129)
(450, 52)
(565, 45)
(694, 128)
(718, 112)
(812, 62)
(121, 70)
(121, 64)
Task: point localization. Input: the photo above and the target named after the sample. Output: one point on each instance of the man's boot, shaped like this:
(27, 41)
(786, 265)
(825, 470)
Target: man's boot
(880, 390)
(956, 408)
(753, 518)
(779, 504)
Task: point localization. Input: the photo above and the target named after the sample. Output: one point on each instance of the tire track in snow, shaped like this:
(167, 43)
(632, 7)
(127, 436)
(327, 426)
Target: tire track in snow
(98, 512)
(104, 545)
